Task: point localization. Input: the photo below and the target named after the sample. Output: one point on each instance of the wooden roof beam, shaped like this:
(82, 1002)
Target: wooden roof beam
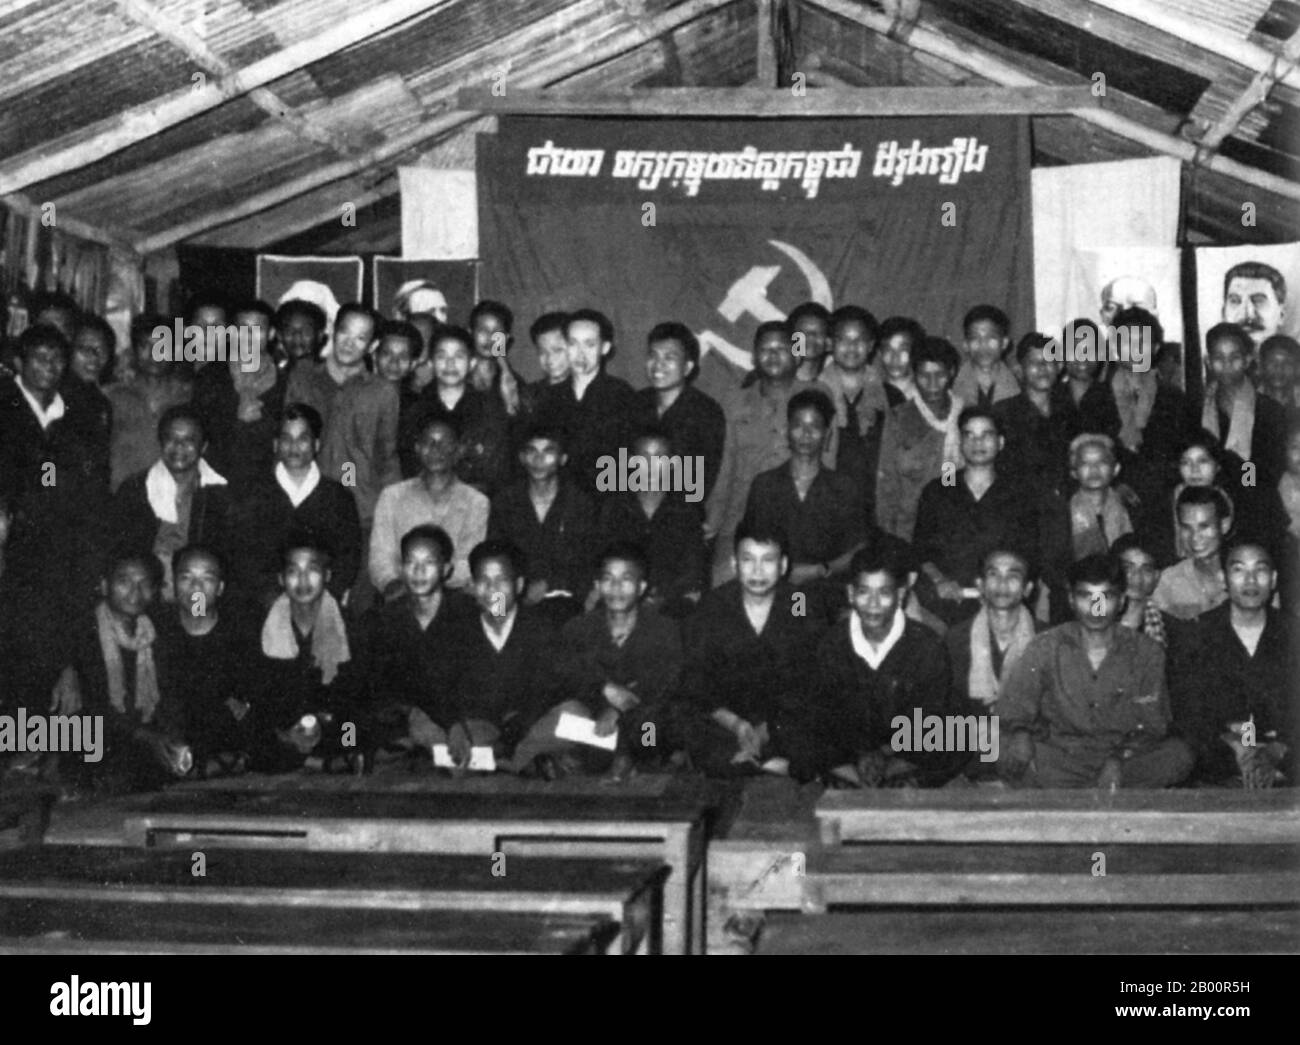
(759, 102)
(1207, 37)
(390, 151)
(1253, 95)
(924, 37)
(192, 44)
(122, 239)
(89, 144)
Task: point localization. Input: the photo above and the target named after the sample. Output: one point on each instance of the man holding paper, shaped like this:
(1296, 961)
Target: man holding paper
(618, 666)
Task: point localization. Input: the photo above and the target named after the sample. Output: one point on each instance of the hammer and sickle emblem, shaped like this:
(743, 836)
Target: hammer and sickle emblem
(748, 296)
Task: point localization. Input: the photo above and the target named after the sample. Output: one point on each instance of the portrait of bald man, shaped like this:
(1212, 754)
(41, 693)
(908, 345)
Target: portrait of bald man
(1126, 292)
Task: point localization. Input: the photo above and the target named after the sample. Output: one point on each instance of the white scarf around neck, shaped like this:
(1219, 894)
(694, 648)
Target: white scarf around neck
(160, 487)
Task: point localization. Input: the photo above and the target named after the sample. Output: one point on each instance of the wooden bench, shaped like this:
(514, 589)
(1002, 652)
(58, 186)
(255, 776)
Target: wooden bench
(1191, 817)
(1032, 931)
(1019, 875)
(628, 893)
(989, 871)
(604, 825)
(102, 925)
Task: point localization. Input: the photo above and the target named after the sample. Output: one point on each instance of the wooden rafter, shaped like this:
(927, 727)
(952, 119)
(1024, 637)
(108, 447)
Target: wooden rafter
(1206, 37)
(925, 38)
(123, 239)
(759, 102)
(105, 137)
(534, 75)
(766, 43)
(193, 45)
(1253, 95)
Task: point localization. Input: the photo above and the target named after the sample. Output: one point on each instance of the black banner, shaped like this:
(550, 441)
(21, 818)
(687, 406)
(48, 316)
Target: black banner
(725, 224)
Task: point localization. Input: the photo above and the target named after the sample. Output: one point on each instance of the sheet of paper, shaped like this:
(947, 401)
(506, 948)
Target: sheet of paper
(480, 758)
(583, 731)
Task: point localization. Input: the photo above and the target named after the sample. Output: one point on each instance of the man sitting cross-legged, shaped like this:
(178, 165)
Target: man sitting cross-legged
(877, 665)
(113, 672)
(1086, 706)
(308, 694)
(415, 648)
(507, 681)
(207, 657)
(985, 648)
(750, 650)
(617, 664)
(1244, 689)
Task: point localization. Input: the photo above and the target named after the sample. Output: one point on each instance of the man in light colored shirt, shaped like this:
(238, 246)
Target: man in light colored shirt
(434, 496)
(360, 410)
(1196, 584)
(1087, 705)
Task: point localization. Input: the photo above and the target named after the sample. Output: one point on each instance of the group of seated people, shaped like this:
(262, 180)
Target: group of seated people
(383, 544)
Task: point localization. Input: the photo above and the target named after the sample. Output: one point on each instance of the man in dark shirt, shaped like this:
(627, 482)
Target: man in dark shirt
(750, 650)
(112, 673)
(873, 668)
(694, 422)
(1039, 422)
(179, 500)
(618, 664)
(483, 460)
(552, 522)
(1245, 687)
(962, 516)
(241, 399)
(295, 496)
(56, 500)
(507, 653)
(309, 688)
(415, 647)
(664, 523)
(205, 663)
(820, 510)
(594, 411)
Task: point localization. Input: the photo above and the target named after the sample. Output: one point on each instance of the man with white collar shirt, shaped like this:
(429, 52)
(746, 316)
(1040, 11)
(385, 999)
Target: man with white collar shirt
(296, 496)
(873, 667)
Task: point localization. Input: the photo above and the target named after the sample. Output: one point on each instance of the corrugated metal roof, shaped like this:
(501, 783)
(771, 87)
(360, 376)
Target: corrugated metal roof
(65, 64)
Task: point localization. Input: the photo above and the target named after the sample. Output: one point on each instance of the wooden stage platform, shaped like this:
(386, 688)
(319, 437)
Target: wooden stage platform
(791, 869)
